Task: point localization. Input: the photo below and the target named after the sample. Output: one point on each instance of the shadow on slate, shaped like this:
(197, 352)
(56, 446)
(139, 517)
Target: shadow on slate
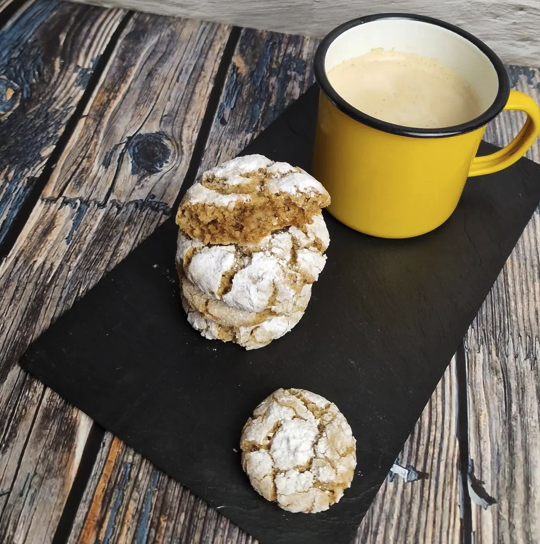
(385, 319)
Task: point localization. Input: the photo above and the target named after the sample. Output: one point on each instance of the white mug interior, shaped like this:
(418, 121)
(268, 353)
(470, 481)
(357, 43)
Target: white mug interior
(421, 38)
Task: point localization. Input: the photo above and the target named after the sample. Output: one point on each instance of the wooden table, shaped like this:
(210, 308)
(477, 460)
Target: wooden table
(104, 115)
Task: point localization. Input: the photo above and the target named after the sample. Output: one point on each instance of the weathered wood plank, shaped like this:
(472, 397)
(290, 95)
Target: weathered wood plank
(94, 210)
(45, 49)
(510, 27)
(268, 72)
(503, 352)
(47, 55)
(426, 510)
(128, 500)
(134, 143)
(4, 4)
(45, 472)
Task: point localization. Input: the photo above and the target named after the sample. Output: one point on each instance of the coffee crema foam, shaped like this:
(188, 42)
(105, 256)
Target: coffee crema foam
(406, 89)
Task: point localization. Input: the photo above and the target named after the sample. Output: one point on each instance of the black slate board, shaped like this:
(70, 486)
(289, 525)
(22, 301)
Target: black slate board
(384, 321)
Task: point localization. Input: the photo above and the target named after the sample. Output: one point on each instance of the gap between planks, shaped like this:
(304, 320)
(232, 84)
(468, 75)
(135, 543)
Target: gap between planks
(4, 4)
(462, 428)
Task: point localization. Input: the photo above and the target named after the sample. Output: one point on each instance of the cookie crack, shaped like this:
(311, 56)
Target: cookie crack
(315, 242)
(273, 297)
(317, 412)
(297, 415)
(330, 421)
(226, 283)
(188, 256)
(294, 252)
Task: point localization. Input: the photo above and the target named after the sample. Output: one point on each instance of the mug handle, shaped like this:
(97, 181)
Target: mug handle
(508, 155)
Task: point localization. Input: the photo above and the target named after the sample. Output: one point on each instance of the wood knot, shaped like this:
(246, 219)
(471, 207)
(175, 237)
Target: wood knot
(149, 153)
(10, 97)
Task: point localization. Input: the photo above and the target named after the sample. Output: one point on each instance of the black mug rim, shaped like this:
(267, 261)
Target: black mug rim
(496, 107)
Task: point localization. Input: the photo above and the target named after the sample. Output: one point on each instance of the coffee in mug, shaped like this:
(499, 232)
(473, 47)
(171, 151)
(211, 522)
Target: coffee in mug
(406, 89)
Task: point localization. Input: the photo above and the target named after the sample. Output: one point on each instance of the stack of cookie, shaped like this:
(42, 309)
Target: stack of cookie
(251, 244)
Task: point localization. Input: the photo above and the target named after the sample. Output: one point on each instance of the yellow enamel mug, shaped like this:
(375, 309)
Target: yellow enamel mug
(391, 181)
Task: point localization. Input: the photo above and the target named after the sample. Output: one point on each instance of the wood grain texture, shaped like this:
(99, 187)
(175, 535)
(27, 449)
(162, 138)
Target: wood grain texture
(46, 49)
(45, 470)
(47, 55)
(4, 4)
(267, 73)
(427, 510)
(503, 352)
(128, 500)
(120, 173)
(134, 143)
(509, 27)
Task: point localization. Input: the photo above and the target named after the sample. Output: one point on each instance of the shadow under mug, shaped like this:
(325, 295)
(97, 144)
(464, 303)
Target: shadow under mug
(393, 181)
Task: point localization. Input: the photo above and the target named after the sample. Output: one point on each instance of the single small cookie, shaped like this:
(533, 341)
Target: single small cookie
(243, 200)
(298, 451)
(229, 316)
(269, 275)
(249, 337)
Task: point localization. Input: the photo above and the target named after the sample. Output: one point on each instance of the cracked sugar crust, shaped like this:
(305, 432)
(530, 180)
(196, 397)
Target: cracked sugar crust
(243, 200)
(249, 337)
(298, 451)
(228, 316)
(270, 275)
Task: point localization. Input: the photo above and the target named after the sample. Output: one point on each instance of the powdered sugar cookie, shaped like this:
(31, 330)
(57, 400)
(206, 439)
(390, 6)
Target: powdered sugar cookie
(249, 337)
(229, 316)
(269, 275)
(243, 200)
(298, 451)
